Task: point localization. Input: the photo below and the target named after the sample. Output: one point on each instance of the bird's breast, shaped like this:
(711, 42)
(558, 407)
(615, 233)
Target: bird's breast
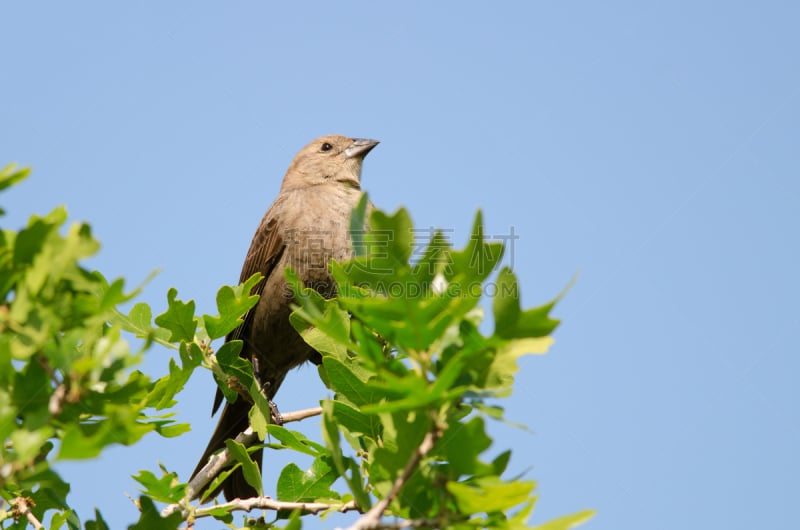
(319, 231)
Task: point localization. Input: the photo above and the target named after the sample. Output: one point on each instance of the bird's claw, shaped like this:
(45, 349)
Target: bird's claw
(277, 417)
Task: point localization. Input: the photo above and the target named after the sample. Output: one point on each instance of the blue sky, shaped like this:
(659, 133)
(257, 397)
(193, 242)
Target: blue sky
(650, 147)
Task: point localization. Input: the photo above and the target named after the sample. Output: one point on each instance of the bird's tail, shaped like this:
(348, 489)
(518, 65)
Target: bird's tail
(232, 421)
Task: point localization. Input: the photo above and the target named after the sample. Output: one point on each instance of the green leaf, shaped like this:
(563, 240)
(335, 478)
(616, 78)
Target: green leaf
(260, 414)
(234, 367)
(318, 338)
(166, 488)
(139, 322)
(435, 260)
(500, 463)
(344, 379)
(73, 523)
(489, 494)
(355, 421)
(259, 419)
(462, 443)
(567, 522)
(51, 493)
(232, 303)
(150, 518)
(343, 464)
(323, 324)
(10, 175)
(28, 444)
(390, 240)
(140, 318)
(113, 294)
(172, 430)
(30, 241)
(311, 302)
(383, 251)
(31, 390)
(358, 223)
(472, 265)
(216, 483)
(178, 318)
(295, 485)
(252, 474)
(164, 390)
(500, 373)
(87, 440)
(98, 524)
(510, 321)
(518, 347)
(296, 440)
(402, 434)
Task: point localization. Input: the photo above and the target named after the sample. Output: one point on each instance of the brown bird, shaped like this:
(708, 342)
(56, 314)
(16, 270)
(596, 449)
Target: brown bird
(306, 227)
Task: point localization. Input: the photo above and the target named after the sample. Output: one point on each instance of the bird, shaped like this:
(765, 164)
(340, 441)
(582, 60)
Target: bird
(306, 226)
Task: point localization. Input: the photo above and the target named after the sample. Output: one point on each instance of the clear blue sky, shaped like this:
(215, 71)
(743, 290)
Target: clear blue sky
(652, 147)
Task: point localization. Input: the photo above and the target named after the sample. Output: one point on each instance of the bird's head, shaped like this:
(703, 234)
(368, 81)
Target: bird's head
(329, 159)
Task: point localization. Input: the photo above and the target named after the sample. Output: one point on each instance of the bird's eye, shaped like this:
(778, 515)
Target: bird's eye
(326, 147)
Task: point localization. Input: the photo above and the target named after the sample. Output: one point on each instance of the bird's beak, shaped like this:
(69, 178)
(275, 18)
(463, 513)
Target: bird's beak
(360, 147)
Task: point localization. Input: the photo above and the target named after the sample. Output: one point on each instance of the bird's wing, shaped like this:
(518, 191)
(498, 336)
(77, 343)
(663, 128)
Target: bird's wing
(265, 252)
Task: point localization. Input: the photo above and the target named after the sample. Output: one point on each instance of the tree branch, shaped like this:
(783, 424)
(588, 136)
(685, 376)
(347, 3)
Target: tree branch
(301, 414)
(409, 523)
(372, 519)
(22, 506)
(267, 503)
(223, 459)
(216, 464)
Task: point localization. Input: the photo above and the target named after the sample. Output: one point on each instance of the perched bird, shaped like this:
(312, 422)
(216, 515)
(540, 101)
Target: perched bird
(304, 228)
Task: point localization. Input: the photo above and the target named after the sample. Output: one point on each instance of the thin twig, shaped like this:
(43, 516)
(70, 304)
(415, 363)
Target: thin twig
(301, 414)
(409, 523)
(372, 519)
(223, 459)
(217, 463)
(56, 403)
(267, 503)
(22, 506)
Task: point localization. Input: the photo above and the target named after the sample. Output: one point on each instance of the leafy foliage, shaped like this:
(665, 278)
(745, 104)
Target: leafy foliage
(415, 380)
(403, 352)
